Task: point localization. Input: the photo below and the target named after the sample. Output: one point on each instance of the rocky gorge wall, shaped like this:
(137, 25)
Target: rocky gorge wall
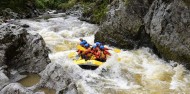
(160, 24)
(20, 52)
(168, 25)
(18, 9)
(124, 26)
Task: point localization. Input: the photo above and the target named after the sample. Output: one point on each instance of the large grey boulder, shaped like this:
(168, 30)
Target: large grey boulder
(124, 24)
(56, 77)
(9, 14)
(18, 9)
(168, 24)
(4, 80)
(21, 50)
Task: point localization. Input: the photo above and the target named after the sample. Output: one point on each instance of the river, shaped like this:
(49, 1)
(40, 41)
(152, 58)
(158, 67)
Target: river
(127, 72)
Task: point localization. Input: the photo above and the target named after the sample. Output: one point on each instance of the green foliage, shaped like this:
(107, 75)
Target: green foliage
(67, 4)
(55, 4)
(126, 2)
(100, 13)
(40, 4)
(18, 6)
(95, 10)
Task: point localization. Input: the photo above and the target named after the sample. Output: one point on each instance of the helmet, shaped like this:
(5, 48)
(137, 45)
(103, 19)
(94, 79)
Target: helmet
(86, 45)
(94, 46)
(101, 47)
(98, 43)
(82, 43)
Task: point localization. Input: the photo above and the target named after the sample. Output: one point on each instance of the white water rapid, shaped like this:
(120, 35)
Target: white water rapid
(128, 72)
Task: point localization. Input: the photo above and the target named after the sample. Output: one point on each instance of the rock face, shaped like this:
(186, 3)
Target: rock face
(168, 24)
(18, 9)
(163, 26)
(124, 24)
(54, 76)
(8, 14)
(4, 80)
(22, 51)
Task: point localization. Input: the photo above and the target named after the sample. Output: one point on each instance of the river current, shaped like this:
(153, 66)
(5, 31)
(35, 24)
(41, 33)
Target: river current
(127, 72)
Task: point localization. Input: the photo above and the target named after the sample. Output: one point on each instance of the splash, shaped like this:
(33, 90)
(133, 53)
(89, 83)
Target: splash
(127, 72)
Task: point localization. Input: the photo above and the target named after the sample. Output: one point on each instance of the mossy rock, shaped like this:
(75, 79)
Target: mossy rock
(18, 6)
(117, 40)
(67, 5)
(172, 55)
(123, 26)
(96, 11)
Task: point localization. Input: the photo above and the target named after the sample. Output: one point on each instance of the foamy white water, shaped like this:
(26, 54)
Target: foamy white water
(137, 71)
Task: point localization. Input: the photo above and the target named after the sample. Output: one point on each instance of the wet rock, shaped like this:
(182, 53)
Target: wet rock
(1, 20)
(4, 80)
(16, 88)
(76, 10)
(18, 9)
(54, 76)
(14, 76)
(124, 24)
(21, 50)
(33, 11)
(25, 26)
(9, 14)
(167, 23)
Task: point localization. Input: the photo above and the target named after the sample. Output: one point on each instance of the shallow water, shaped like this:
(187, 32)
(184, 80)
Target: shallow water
(30, 80)
(33, 79)
(128, 72)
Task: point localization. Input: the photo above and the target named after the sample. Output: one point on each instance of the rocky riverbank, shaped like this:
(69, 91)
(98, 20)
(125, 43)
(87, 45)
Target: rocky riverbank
(20, 52)
(158, 24)
(129, 24)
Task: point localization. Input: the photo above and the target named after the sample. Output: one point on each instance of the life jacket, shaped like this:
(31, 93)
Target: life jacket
(88, 52)
(106, 52)
(93, 51)
(102, 55)
(97, 54)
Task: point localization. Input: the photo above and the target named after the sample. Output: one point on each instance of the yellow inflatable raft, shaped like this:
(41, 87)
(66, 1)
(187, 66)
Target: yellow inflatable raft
(89, 64)
(84, 64)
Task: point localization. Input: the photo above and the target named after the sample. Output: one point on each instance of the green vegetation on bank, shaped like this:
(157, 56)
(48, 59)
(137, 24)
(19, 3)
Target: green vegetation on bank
(94, 9)
(16, 5)
(55, 4)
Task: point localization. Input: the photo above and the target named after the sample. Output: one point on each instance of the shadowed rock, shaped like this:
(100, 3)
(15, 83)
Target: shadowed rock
(167, 23)
(54, 76)
(124, 24)
(4, 80)
(21, 50)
